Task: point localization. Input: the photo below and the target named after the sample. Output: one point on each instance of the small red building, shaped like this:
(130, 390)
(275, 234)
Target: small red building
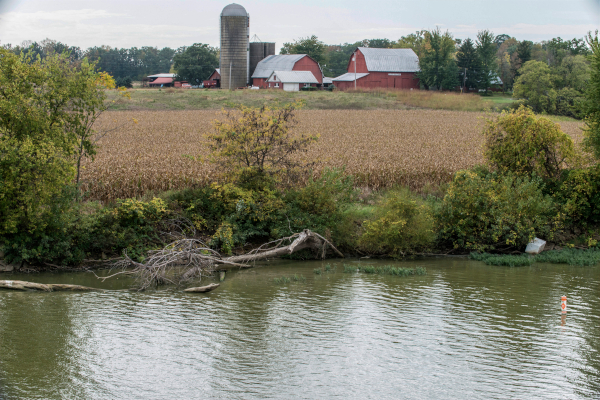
(286, 62)
(380, 68)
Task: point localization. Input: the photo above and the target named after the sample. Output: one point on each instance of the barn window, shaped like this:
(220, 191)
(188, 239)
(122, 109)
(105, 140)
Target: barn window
(276, 84)
(274, 77)
(307, 85)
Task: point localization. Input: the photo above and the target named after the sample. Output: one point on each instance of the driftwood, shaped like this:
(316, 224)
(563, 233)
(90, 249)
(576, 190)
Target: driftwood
(186, 259)
(51, 287)
(203, 289)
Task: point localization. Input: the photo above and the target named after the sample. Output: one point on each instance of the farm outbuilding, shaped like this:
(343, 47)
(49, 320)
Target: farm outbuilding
(380, 68)
(291, 81)
(286, 62)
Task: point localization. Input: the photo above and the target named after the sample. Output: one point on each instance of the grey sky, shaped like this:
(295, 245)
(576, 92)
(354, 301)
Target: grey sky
(174, 23)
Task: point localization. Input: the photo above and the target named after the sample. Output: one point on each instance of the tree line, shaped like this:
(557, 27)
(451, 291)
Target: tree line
(549, 76)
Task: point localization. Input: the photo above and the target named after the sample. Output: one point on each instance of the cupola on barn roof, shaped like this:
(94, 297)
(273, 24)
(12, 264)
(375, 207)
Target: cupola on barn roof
(234, 10)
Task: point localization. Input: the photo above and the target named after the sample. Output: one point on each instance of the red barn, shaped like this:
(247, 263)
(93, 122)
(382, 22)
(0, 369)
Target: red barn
(286, 62)
(381, 68)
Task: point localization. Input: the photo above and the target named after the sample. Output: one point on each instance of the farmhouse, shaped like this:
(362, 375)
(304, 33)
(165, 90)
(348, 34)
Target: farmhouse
(380, 68)
(287, 62)
(291, 81)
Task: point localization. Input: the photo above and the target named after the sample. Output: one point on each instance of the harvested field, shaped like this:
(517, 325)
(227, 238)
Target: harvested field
(380, 148)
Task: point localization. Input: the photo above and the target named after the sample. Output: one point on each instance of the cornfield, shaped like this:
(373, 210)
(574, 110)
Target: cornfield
(381, 148)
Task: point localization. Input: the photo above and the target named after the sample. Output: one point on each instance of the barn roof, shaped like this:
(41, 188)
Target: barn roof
(234, 10)
(349, 77)
(284, 62)
(390, 60)
(160, 81)
(294, 77)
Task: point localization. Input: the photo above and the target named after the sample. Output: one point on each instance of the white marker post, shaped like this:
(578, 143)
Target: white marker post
(563, 304)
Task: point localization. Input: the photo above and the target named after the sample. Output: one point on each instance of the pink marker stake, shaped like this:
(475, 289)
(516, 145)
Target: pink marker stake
(563, 304)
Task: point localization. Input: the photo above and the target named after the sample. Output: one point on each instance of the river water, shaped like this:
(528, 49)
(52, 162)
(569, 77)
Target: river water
(464, 330)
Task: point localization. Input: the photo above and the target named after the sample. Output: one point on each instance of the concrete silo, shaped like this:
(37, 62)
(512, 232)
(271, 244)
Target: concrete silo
(258, 52)
(234, 61)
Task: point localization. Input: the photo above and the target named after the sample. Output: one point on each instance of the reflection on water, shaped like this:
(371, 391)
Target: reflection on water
(465, 330)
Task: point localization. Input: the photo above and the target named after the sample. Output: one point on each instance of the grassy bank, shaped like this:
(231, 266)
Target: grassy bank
(374, 99)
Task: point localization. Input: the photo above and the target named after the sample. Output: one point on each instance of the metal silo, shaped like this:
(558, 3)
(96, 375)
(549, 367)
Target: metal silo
(258, 52)
(234, 61)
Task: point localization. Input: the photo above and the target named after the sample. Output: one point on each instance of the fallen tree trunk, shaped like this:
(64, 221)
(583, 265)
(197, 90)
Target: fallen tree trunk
(22, 285)
(186, 259)
(51, 287)
(203, 289)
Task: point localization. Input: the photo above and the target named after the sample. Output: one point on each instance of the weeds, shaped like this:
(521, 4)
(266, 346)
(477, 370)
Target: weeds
(575, 257)
(390, 270)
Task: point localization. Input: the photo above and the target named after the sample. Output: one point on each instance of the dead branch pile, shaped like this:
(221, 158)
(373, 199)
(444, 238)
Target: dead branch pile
(187, 259)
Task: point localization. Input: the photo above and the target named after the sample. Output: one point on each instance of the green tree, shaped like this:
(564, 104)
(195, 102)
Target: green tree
(468, 64)
(486, 53)
(592, 98)
(380, 43)
(195, 63)
(535, 86)
(415, 41)
(438, 66)
(310, 45)
(45, 108)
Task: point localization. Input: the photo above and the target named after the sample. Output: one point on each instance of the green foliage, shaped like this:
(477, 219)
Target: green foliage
(592, 96)
(504, 260)
(466, 59)
(390, 270)
(349, 269)
(519, 142)
(536, 87)
(401, 224)
(576, 257)
(195, 63)
(486, 212)
(317, 271)
(579, 196)
(125, 82)
(570, 103)
(309, 89)
(46, 109)
(486, 54)
(437, 63)
(223, 238)
(310, 45)
(256, 144)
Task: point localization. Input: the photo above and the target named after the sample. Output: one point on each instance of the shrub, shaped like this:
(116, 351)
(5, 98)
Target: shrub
(258, 143)
(579, 195)
(569, 102)
(309, 89)
(401, 224)
(489, 212)
(519, 142)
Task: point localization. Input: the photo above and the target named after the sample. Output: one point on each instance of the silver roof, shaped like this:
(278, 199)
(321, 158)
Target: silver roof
(390, 60)
(267, 65)
(327, 80)
(234, 10)
(349, 77)
(162, 76)
(293, 77)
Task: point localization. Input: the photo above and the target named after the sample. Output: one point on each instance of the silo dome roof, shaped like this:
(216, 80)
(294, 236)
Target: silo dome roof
(234, 10)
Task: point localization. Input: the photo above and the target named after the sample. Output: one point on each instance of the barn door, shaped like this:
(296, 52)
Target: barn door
(291, 87)
(398, 83)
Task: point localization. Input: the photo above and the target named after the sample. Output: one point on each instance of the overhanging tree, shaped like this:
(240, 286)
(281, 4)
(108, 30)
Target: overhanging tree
(310, 45)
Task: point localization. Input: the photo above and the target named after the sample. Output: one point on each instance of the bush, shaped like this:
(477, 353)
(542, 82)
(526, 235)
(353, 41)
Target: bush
(570, 103)
(521, 143)
(309, 89)
(579, 195)
(401, 224)
(488, 212)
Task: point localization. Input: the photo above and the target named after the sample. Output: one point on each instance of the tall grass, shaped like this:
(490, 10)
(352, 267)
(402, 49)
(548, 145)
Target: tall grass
(575, 257)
